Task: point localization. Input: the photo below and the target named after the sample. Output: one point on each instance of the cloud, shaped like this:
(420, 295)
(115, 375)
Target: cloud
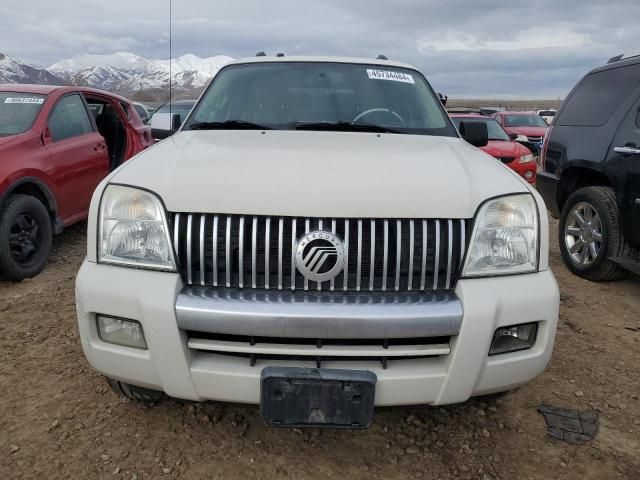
(520, 48)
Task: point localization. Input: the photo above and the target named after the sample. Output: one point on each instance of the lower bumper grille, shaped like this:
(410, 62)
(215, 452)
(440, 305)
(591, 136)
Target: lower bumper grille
(318, 350)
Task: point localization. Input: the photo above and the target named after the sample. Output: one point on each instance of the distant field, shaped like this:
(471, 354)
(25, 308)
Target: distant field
(513, 105)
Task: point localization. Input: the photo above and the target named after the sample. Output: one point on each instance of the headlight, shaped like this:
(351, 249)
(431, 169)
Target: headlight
(133, 229)
(522, 138)
(526, 158)
(505, 237)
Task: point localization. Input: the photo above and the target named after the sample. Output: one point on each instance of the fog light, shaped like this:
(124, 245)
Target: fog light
(528, 174)
(120, 331)
(513, 339)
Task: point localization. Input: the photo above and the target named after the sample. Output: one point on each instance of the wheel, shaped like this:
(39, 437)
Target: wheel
(589, 234)
(25, 237)
(138, 394)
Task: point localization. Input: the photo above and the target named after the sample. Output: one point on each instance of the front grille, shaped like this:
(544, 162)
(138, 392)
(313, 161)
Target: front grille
(241, 251)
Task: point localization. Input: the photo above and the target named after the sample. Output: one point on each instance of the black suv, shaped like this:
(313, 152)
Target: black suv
(590, 172)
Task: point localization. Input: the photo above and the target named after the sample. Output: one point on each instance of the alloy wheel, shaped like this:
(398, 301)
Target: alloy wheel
(24, 238)
(583, 234)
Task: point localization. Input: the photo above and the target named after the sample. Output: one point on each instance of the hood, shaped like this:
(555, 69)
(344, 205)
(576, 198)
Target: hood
(528, 131)
(501, 149)
(319, 174)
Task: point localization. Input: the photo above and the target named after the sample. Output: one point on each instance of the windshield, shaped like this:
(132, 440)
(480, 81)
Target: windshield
(495, 131)
(18, 111)
(524, 121)
(320, 96)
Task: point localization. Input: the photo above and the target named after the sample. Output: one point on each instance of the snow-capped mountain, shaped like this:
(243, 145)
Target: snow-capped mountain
(127, 72)
(14, 71)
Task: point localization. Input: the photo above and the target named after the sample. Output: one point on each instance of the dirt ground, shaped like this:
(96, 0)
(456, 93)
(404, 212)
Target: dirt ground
(58, 418)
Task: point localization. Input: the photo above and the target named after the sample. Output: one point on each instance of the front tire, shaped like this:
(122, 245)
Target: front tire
(589, 234)
(26, 235)
(138, 394)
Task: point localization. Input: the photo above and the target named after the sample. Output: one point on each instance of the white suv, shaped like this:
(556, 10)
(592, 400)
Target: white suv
(317, 239)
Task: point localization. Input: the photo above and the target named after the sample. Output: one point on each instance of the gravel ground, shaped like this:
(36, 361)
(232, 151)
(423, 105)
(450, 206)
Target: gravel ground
(58, 418)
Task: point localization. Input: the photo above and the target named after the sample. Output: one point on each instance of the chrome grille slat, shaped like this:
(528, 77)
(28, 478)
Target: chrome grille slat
(463, 241)
(332, 282)
(189, 243)
(254, 246)
(202, 272)
(241, 253)
(214, 253)
(280, 246)
(385, 255)
(436, 261)
(293, 254)
(359, 264)
(228, 251)
(267, 247)
(449, 251)
(306, 230)
(372, 262)
(411, 251)
(346, 254)
(259, 252)
(319, 228)
(423, 270)
(176, 235)
(398, 252)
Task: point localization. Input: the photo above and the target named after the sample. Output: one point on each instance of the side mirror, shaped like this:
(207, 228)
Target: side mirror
(176, 122)
(443, 99)
(476, 133)
(166, 121)
(513, 136)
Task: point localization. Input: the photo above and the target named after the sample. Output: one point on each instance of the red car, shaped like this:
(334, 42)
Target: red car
(527, 128)
(501, 146)
(56, 145)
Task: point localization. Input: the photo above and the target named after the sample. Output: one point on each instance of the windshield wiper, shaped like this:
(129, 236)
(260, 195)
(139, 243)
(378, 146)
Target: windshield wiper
(343, 127)
(228, 125)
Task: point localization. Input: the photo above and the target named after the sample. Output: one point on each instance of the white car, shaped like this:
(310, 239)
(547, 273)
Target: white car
(317, 239)
(548, 115)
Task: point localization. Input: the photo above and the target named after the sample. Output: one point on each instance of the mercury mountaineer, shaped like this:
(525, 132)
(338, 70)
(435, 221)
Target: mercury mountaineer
(318, 239)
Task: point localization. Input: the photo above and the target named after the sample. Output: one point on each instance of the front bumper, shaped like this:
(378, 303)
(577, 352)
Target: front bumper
(172, 366)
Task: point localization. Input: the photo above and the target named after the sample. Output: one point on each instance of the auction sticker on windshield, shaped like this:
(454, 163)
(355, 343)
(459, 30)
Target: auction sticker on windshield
(388, 75)
(32, 100)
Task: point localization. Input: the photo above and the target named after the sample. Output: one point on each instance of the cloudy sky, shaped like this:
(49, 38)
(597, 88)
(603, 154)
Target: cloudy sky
(490, 48)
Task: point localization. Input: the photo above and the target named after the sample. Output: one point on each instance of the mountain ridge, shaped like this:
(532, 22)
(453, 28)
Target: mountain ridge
(120, 72)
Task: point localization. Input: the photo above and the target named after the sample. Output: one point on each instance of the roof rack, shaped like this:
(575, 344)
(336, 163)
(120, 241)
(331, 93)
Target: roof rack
(381, 57)
(261, 54)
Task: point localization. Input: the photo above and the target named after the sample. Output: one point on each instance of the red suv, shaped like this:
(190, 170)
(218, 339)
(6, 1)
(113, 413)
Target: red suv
(56, 145)
(501, 146)
(527, 128)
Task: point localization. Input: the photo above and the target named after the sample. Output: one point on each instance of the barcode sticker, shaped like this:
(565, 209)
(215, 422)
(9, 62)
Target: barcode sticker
(389, 75)
(30, 100)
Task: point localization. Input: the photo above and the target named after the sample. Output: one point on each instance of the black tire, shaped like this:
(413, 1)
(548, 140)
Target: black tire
(25, 237)
(138, 394)
(602, 269)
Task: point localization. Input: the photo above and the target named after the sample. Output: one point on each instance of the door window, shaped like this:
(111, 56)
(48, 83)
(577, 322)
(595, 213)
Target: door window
(69, 119)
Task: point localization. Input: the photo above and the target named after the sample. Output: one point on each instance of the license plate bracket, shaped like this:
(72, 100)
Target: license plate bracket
(317, 397)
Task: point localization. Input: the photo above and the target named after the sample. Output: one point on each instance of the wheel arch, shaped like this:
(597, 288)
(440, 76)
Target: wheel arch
(35, 187)
(574, 178)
